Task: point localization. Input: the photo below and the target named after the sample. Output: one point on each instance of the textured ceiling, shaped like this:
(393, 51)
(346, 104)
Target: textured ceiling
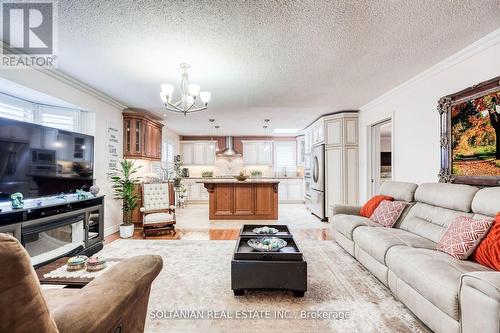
(289, 61)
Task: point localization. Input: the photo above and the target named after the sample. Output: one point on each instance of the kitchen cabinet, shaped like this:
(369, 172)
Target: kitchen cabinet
(291, 190)
(142, 136)
(198, 152)
(301, 150)
(317, 132)
(195, 192)
(257, 152)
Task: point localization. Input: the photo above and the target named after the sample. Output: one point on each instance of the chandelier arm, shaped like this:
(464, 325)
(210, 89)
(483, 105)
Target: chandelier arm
(198, 109)
(174, 107)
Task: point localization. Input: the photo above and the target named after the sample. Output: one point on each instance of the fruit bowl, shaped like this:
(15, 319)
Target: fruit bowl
(241, 177)
(266, 244)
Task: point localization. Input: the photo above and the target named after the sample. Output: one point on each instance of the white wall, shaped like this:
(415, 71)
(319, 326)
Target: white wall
(413, 108)
(105, 112)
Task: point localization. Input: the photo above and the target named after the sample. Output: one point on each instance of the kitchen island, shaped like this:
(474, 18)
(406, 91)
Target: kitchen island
(252, 199)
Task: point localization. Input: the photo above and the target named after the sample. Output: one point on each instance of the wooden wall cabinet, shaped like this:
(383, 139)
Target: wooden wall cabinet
(141, 137)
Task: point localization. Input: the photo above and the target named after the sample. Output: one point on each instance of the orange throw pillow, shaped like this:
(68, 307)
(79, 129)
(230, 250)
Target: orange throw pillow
(488, 251)
(372, 204)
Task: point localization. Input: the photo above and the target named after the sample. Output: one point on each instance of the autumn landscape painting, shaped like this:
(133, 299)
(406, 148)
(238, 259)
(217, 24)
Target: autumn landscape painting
(475, 134)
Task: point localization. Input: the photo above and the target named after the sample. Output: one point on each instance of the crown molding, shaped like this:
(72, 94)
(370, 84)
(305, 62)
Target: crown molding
(74, 83)
(482, 44)
(71, 81)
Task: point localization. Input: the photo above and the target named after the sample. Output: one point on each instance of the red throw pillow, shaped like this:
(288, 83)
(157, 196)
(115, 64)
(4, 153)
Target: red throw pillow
(462, 236)
(372, 204)
(488, 251)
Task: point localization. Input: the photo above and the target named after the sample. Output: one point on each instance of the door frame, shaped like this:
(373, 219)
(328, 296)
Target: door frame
(371, 159)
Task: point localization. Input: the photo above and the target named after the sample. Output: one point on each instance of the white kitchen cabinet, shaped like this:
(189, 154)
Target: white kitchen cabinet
(318, 132)
(198, 152)
(195, 191)
(187, 153)
(291, 190)
(257, 152)
(295, 190)
(301, 151)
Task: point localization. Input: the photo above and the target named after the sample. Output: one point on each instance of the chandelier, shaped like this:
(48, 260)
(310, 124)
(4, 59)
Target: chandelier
(189, 94)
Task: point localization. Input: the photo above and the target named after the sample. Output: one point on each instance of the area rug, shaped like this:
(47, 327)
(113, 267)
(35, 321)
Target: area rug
(193, 293)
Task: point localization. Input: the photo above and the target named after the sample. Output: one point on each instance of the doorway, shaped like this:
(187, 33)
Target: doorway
(381, 156)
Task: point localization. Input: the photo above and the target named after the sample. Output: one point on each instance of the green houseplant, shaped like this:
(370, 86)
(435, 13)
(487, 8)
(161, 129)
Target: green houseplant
(124, 180)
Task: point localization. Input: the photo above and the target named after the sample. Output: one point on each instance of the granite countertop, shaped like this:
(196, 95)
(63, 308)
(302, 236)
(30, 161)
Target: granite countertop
(253, 178)
(235, 181)
(43, 202)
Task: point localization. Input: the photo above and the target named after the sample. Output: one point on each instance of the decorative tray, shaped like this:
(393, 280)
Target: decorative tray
(283, 231)
(243, 251)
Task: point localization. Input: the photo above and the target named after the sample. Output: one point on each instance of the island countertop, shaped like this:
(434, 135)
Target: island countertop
(235, 181)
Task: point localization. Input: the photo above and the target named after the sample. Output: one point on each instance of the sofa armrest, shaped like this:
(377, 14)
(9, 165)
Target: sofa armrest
(344, 209)
(480, 302)
(105, 303)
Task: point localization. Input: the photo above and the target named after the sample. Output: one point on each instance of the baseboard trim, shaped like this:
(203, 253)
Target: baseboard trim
(111, 229)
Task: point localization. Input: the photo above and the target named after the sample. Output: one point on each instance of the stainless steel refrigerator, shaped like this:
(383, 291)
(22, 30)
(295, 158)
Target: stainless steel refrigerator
(318, 181)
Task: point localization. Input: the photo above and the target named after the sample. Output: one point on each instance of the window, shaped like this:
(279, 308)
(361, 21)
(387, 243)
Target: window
(13, 108)
(285, 157)
(46, 115)
(65, 119)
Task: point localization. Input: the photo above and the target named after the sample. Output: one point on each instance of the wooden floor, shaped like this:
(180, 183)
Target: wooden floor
(222, 234)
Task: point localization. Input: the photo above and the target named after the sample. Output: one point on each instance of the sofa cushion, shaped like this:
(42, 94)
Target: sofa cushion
(487, 201)
(462, 236)
(388, 212)
(433, 274)
(451, 196)
(158, 218)
(398, 190)
(377, 241)
(372, 204)
(488, 251)
(345, 224)
(428, 221)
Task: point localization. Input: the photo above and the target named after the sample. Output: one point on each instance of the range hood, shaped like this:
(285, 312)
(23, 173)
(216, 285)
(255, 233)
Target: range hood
(229, 150)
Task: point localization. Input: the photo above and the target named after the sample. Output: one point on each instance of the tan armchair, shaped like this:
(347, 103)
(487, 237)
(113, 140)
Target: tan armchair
(158, 216)
(116, 301)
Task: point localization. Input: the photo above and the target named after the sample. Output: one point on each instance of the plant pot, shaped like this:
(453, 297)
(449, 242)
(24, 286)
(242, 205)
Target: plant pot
(126, 230)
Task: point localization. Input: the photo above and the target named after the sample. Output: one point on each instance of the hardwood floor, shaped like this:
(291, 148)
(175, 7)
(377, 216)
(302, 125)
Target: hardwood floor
(222, 234)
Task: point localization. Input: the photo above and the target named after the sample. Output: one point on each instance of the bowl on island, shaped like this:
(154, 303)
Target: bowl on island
(241, 177)
(266, 244)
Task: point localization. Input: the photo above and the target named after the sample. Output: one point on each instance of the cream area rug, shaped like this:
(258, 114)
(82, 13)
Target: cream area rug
(193, 293)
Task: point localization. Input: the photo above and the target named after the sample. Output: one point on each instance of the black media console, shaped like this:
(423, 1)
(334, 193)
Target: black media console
(51, 228)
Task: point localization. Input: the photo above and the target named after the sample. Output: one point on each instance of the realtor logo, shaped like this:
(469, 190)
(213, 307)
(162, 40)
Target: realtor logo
(28, 34)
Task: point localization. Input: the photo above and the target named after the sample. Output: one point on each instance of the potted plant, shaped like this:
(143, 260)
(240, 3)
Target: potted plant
(124, 181)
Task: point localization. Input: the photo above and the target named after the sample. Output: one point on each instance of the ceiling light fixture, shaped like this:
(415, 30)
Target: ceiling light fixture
(285, 130)
(189, 93)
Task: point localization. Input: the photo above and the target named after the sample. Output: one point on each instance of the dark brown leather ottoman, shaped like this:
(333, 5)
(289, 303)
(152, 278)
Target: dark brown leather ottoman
(282, 270)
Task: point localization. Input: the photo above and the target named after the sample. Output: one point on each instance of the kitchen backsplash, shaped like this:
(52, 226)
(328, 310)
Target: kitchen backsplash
(228, 166)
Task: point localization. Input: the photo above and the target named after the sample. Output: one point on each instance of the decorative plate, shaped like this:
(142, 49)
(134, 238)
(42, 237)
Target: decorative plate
(265, 231)
(266, 244)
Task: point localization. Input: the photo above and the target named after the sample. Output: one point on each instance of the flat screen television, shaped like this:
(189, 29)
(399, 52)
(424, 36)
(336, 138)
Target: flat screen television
(41, 161)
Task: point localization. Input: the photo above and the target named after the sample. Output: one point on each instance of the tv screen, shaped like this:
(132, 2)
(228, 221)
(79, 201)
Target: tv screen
(41, 161)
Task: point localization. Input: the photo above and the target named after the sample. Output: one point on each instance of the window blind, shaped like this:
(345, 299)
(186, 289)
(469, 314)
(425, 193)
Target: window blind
(12, 112)
(285, 156)
(64, 119)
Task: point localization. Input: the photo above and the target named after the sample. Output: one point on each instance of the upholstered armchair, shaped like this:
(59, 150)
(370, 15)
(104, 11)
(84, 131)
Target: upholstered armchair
(116, 301)
(158, 216)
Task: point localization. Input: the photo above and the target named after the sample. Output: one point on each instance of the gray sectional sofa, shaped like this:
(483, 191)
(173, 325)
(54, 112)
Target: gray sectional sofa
(447, 294)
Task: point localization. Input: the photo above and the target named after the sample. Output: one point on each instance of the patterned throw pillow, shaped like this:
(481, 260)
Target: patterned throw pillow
(372, 204)
(488, 251)
(462, 236)
(388, 212)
